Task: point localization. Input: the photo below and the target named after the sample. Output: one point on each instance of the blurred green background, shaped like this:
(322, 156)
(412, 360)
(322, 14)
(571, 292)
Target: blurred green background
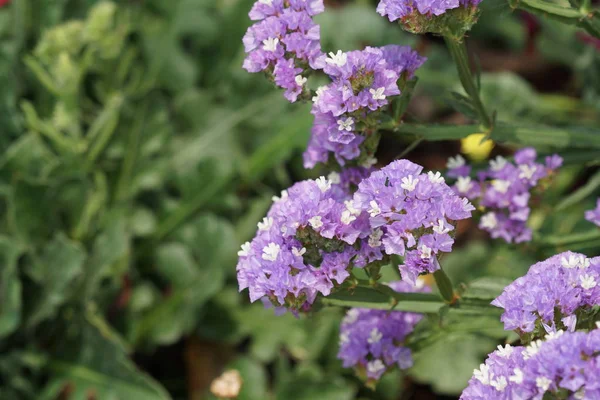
(136, 156)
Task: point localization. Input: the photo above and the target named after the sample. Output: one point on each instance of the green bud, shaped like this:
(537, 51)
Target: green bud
(63, 38)
(100, 21)
(65, 72)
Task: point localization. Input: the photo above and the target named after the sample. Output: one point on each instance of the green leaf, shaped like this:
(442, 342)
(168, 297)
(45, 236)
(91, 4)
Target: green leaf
(486, 288)
(448, 363)
(60, 263)
(587, 190)
(10, 286)
(304, 385)
(90, 360)
(254, 377)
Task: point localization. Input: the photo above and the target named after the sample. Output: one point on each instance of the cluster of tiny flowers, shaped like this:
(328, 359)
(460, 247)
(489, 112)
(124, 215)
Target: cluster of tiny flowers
(303, 246)
(565, 363)
(285, 42)
(363, 82)
(594, 215)
(371, 341)
(411, 215)
(401, 9)
(566, 283)
(504, 189)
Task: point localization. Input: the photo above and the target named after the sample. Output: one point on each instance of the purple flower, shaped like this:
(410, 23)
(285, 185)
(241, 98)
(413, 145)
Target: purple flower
(551, 292)
(566, 363)
(400, 9)
(284, 42)
(504, 191)
(412, 213)
(371, 341)
(594, 215)
(303, 246)
(363, 83)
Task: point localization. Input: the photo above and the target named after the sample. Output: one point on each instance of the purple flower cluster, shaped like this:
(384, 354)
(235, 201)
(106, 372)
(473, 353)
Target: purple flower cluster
(402, 9)
(594, 215)
(504, 189)
(363, 82)
(566, 363)
(411, 215)
(371, 341)
(285, 42)
(552, 290)
(302, 248)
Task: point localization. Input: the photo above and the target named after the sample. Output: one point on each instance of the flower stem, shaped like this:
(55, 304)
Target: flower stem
(444, 285)
(458, 50)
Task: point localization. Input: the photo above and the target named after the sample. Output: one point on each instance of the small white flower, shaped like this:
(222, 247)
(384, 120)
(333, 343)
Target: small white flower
(347, 217)
(369, 162)
(377, 94)
(597, 324)
(334, 178)
(375, 238)
(374, 210)
(375, 336)
(483, 374)
(517, 377)
(579, 395)
(501, 186)
(498, 163)
(345, 124)
(323, 183)
(283, 229)
(425, 252)
(575, 261)
(441, 228)
(284, 196)
(420, 282)
(267, 2)
(298, 252)
(554, 335)
(320, 90)
(315, 222)
(499, 383)
(350, 207)
(270, 252)
(409, 183)
(543, 383)
(527, 171)
(505, 351)
(464, 184)
(375, 367)
(344, 338)
(270, 44)
(340, 58)
(466, 205)
(351, 316)
(266, 224)
(489, 221)
(245, 251)
(455, 162)
(300, 80)
(435, 178)
(587, 282)
(532, 349)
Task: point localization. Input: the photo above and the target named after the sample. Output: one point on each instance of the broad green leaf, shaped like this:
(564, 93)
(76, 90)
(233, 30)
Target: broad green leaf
(55, 271)
(592, 184)
(90, 360)
(448, 363)
(10, 286)
(370, 298)
(313, 385)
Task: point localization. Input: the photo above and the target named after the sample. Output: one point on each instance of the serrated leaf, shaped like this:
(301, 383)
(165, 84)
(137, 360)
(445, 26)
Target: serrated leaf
(56, 269)
(91, 362)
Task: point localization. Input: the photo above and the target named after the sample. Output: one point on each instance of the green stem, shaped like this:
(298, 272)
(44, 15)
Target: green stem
(444, 285)
(188, 209)
(565, 240)
(458, 50)
(124, 182)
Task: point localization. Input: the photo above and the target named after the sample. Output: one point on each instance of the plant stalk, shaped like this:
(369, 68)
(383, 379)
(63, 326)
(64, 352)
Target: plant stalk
(458, 50)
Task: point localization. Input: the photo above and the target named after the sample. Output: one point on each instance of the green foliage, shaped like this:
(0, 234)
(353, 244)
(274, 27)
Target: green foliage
(136, 156)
